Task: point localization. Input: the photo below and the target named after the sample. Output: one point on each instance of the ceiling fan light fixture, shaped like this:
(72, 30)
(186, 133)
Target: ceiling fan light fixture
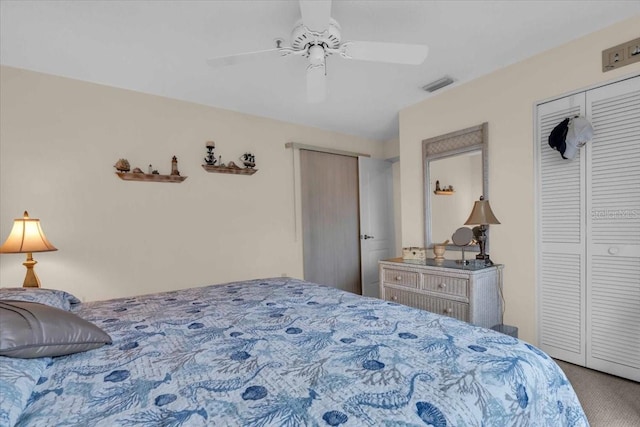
(316, 55)
(317, 36)
(438, 84)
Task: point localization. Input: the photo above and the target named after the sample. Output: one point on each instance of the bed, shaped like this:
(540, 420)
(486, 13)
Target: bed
(284, 352)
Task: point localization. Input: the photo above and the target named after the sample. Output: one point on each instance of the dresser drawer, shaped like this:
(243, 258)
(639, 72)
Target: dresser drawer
(402, 278)
(446, 285)
(458, 310)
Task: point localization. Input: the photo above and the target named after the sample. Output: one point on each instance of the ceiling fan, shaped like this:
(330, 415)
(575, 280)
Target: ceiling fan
(317, 36)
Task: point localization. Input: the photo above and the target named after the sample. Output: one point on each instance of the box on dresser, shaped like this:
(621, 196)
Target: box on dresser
(414, 253)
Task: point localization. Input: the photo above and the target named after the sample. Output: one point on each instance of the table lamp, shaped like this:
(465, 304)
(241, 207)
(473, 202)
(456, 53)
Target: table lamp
(482, 215)
(27, 237)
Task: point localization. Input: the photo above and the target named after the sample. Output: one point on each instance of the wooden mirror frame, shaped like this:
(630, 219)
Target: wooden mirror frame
(449, 145)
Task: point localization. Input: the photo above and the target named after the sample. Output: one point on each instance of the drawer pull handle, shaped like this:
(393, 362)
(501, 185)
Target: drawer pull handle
(443, 286)
(394, 298)
(398, 278)
(448, 310)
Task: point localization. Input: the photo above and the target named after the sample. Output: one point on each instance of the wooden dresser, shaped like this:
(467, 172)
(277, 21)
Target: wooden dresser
(467, 292)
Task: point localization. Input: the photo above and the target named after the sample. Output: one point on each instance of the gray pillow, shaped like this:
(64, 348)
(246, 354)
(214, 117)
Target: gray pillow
(29, 330)
(53, 297)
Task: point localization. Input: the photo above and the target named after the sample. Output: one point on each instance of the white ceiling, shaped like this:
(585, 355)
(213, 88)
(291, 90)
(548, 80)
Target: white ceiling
(161, 47)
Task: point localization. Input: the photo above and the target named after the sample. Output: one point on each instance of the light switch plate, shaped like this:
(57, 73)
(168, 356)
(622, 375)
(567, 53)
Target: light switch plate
(621, 55)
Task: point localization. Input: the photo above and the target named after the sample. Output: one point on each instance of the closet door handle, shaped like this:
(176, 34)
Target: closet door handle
(613, 250)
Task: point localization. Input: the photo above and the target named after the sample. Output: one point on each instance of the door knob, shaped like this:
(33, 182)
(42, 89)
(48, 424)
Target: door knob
(365, 237)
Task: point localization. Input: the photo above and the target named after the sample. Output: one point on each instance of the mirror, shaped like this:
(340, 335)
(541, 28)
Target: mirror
(462, 237)
(455, 176)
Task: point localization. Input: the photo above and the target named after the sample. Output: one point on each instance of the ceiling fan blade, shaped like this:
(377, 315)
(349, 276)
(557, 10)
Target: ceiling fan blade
(242, 58)
(316, 83)
(316, 14)
(397, 53)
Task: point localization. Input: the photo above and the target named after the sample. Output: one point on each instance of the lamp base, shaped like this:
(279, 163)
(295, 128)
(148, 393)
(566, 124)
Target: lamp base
(31, 279)
(485, 258)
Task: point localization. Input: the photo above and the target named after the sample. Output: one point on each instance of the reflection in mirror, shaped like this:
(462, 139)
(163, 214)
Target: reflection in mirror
(449, 211)
(459, 160)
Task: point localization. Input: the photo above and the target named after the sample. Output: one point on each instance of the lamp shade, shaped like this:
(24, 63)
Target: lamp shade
(26, 236)
(482, 214)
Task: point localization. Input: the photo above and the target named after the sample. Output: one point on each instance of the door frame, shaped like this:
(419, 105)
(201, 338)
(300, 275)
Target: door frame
(297, 189)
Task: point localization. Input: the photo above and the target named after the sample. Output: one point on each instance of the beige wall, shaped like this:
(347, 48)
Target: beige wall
(505, 99)
(59, 139)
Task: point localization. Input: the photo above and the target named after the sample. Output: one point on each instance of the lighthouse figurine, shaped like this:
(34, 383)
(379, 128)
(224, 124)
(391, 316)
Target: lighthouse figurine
(174, 166)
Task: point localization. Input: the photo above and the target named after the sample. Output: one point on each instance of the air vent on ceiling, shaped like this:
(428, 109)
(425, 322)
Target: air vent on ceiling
(438, 84)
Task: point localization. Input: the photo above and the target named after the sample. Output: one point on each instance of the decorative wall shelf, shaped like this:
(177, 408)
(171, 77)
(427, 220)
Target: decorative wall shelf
(444, 193)
(129, 176)
(232, 168)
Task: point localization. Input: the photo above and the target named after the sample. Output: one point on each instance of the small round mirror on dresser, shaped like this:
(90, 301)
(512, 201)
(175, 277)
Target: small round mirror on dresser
(462, 237)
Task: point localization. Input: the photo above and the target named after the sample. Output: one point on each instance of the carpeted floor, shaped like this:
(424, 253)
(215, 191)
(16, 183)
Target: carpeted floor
(608, 401)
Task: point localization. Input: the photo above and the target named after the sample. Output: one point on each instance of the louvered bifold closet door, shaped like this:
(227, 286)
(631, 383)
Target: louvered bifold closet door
(561, 245)
(613, 224)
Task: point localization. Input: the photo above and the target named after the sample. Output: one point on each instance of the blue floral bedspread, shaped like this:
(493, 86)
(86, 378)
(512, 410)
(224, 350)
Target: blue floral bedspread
(284, 352)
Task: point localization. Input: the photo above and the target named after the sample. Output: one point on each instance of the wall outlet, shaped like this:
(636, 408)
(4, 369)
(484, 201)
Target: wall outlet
(621, 55)
(616, 56)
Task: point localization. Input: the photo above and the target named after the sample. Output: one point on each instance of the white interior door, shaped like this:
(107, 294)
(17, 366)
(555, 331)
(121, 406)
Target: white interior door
(589, 233)
(377, 235)
(613, 224)
(561, 242)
